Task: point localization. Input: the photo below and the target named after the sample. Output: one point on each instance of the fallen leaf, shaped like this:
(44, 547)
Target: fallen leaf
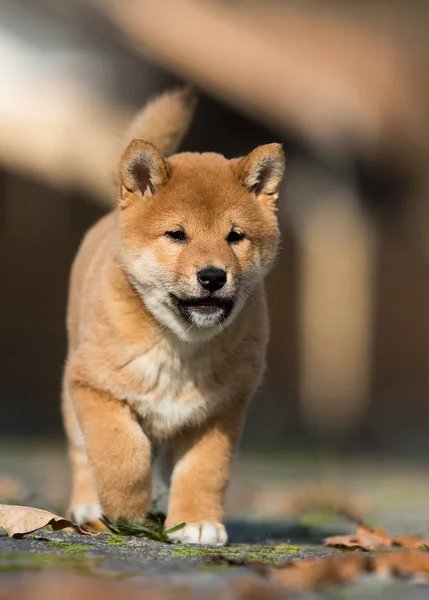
(366, 538)
(410, 542)
(19, 520)
(369, 539)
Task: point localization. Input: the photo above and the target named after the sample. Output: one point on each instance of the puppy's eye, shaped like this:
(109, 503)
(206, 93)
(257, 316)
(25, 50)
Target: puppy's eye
(177, 236)
(234, 237)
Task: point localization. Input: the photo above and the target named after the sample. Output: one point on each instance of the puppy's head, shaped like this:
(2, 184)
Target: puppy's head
(198, 232)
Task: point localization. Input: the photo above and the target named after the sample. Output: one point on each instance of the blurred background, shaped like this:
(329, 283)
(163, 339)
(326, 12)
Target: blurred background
(344, 85)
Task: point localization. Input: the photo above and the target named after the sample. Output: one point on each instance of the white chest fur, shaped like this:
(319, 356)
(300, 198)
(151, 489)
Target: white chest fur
(170, 391)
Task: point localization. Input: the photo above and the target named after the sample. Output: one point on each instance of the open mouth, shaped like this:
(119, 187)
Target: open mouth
(209, 306)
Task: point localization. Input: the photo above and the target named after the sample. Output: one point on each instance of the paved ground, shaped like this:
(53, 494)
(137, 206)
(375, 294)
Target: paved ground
(263, 525)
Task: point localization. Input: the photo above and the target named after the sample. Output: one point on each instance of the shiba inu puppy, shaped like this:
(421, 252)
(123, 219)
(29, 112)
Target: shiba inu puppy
(167, 326)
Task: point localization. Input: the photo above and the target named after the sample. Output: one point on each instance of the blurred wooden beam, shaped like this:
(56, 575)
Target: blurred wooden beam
(333, 80)
(58, 132)
(335, 321)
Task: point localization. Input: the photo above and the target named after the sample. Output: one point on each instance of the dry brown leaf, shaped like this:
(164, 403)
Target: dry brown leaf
(19, 520)
(365, 538)
(410, 542)
(369, 539)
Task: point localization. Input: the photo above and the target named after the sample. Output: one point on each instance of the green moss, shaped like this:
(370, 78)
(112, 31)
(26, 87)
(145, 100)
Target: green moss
(117, 540)
(261, 558)
(71, 549)
(185, 551)
(265, 553)
(201, 551)
(286, 549)
(261, 551)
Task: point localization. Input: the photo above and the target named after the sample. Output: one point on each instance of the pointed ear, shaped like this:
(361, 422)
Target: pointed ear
(143, 172)
(261, 172)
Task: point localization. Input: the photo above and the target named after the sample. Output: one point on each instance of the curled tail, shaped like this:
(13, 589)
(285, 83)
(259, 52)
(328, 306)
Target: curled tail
(164, 121)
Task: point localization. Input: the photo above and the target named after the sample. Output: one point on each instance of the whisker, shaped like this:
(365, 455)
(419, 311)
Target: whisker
(188, 330)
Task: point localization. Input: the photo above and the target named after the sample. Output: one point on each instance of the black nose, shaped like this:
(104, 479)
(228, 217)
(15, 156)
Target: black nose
(212, 278)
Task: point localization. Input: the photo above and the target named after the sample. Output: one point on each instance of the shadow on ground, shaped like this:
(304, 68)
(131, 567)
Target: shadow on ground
(260, 532)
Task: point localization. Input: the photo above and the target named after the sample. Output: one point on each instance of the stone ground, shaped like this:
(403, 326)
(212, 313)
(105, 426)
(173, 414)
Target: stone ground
(262, 526)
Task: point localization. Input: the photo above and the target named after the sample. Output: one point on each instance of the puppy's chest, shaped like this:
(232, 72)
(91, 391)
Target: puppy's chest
(169, 393)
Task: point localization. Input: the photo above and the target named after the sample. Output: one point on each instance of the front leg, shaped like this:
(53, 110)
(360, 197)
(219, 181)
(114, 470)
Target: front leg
(200, 478)
(119, 453)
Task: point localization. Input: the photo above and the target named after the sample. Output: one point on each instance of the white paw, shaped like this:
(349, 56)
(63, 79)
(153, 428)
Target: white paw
(206, 533)
(86, 513)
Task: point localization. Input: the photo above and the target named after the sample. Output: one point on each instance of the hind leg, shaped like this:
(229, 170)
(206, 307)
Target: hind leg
(84, 506)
